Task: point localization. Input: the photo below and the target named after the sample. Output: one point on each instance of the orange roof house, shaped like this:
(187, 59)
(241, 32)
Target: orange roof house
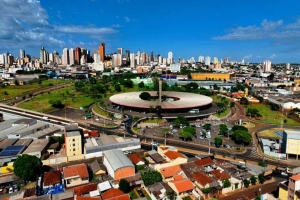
(169, 172)
(76, 175)
(181, 185)
(114, 194)
(172, 155)
(136, 159)
(204, 162)
(85, 189)
(202, 178)
(220, 175)
(52, 178)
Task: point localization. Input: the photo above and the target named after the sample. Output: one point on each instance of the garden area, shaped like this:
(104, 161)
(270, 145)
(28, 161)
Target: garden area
(13, 91)
(271, 116)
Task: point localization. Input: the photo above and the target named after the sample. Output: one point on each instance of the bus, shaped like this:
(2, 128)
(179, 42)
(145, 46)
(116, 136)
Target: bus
(194, 111)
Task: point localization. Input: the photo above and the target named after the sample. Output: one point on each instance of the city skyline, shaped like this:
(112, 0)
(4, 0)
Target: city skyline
(251, 31)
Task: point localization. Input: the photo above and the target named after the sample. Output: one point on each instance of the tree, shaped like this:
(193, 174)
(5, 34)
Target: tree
(261, 178)
(56, 103)
(158, 110)
(218, 141)
(253, 180)
(223, 129)
(226, 183)
(27, 167)
(246, 183)
(118, 88)
(17, 82)
(176, 123)
(241, 137)
(141, 84)
(232, 104)
(128, 83)
(238, 127)
(124, 186)
(150, 177)
(206, 127)
(244, 101)
(189, 129)
(185, 135)
(253, 112)
(151, 108)
(145, 96)
(170, 194)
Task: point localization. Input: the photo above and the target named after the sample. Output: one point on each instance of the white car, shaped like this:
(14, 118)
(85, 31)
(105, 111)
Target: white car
(45, 119)
(11, 190)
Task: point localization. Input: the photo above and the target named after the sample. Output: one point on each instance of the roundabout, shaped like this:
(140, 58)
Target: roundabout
(175, 102)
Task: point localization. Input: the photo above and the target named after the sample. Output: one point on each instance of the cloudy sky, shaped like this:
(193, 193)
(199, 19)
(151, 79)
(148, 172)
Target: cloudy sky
(251, 30)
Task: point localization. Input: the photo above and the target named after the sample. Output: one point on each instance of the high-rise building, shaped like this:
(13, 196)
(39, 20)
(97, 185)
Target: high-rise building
(77, 55)
(43, 56)
(216, 61)
(127, 55)
(120, 51)
(267, 66)
(6, 58)
(102, 51)
(10, 59)
(65, 56)
(207, 60)
(22, 53)
(225, 60)
(2, 59)
(201, 59)
(71, 56)
(288, 66)
(132, 60)
(152, 57)
(170, 58)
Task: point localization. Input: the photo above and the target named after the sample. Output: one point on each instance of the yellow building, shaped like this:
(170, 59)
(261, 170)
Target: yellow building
(210, 76)
(73, 141)
(291, 143)
(283, 191)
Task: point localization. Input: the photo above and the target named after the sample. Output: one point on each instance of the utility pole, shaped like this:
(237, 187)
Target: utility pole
(208, 146)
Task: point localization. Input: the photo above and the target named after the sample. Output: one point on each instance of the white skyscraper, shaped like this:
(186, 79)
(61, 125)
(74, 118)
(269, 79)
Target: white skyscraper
(170, 58)
(160, 59)
(22, 53)
(65, 56)
(216, 61)
(267, 66)
(207, 60)
(201, 59)
(71, 56)
(132, 60)
(2, 59)
(288, 66)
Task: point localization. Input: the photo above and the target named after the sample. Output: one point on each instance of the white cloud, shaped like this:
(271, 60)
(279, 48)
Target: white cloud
(248, 56)
(24, 23)
(267, 30)
(273, 56)
(127, 19)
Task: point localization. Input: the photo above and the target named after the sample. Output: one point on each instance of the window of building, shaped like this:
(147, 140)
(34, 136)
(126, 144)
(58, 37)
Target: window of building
(74, 149)
(73, 145)
(73, 140)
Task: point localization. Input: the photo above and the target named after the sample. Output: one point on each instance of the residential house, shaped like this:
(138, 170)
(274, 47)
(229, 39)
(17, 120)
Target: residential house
(169, 172)
(85, 189)
(182, 186)
(136, 159)
(114, 194)
(158, 191)
(51, 178)
(76, 175)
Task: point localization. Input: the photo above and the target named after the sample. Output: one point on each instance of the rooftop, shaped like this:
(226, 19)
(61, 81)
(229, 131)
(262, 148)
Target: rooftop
(172, 155)
(85, 189)
(202, 178)
(72, 133)
(37, 146)
(295, 177)
(168, 172)
(135, 158)
(52, 177)
(204, 161)
(113, 192)
(117, 159)
(183, 185)
(76, 170)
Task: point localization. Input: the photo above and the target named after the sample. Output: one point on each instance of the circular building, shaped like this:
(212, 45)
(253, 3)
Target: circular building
(173, 102)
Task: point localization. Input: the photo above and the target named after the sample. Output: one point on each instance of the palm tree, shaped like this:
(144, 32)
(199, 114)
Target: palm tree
(150, 109)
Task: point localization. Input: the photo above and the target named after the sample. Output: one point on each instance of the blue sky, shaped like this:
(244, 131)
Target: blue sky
(252, 30)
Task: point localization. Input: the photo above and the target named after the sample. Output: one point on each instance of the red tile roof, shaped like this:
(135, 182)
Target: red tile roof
(76, 170)
(87, 198)
(113, 192)
(135, 158)
(204, 161)
(172, 155)
(51, 178)
(183, 185)
(84, 189)
(202, 178)
(168, 172)
(296, 177)
(121, 197)
(220, 175)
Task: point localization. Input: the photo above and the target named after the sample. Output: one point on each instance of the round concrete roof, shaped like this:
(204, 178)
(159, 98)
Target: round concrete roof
(185, 100)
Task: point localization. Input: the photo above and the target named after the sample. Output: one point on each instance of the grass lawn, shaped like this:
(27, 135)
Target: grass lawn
(271, 116)
(73, 99)
(153, 120)
(100, 111)
(136, 130)
(14, 91)
(270, 133)
(133, 195)
(223, 114)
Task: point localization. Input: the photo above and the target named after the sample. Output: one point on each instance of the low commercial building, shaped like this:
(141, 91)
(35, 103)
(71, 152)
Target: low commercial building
(291, 143)
(37, 148)
(28, 130)
(118, 165)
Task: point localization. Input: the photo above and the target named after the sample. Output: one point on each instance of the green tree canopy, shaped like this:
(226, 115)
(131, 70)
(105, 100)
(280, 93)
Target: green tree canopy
(244, 101)
(261, 178)
(145, 96)
(253, 112)
(141, 84)
(223, 129)
(238, 127)
(226, 183)
(241, 137)
(150, 177)
(246, 183)
(218, 141)
(185, 135)
(207, 126)
(118, 88)
(27, 167)
(189, 129)
(253, 180)
(56, 103)
(124, 186)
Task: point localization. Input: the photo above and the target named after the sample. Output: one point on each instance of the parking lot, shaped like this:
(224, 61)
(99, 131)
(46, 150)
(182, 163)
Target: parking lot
(202, 136)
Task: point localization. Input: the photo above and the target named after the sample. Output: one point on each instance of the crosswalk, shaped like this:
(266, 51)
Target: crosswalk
(254, 150)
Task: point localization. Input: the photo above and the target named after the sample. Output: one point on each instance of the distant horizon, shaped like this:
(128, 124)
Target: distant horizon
(254, 30)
